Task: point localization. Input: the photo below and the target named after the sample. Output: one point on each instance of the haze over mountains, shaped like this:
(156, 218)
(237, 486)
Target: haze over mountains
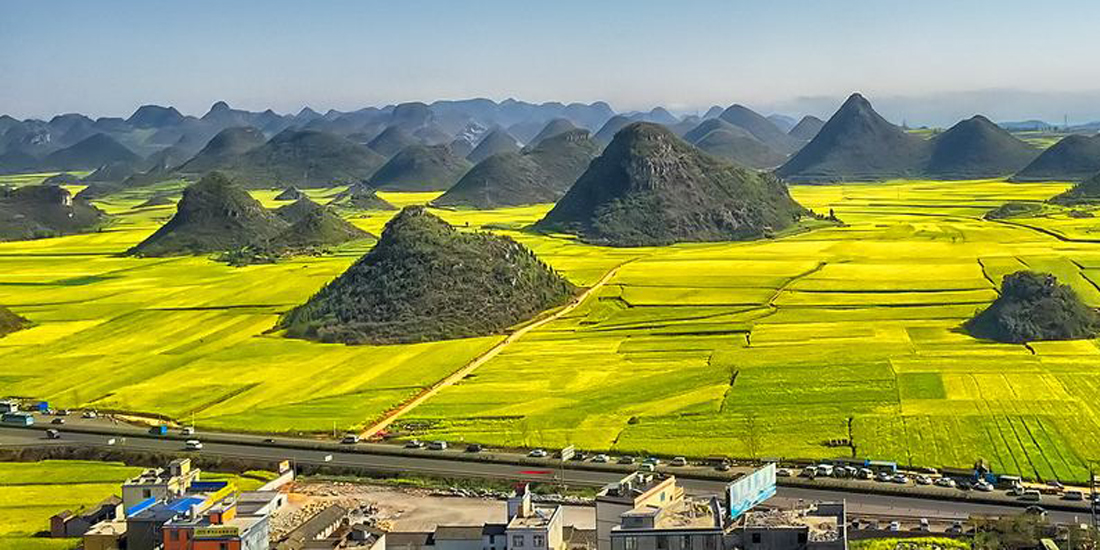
(419, 147)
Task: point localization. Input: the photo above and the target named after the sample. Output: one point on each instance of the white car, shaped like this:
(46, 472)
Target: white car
(90, 414)
(193, 445)
(783, 472)
(983, 486)
(924, 480)
(188, 430)
(538, 453)
(437, 446)
(602, 459)
(894, 526)
(900, 479)
(679, 461)
(350, 439)
(946, 482)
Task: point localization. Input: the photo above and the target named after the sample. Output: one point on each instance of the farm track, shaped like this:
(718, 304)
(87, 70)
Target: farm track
(485, 357)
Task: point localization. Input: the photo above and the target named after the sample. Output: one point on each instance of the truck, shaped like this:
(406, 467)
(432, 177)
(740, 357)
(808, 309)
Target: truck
(159, 430)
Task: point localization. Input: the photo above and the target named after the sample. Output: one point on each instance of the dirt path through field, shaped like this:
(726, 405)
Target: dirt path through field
(492, 352)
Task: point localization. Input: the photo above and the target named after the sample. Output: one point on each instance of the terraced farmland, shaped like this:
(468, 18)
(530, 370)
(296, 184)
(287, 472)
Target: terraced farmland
(765, 349)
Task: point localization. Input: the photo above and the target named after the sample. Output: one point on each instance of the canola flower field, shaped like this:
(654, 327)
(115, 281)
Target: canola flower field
(837, 342)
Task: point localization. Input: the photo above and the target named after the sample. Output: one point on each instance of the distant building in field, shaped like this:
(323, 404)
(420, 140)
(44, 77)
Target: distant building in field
(70, 525)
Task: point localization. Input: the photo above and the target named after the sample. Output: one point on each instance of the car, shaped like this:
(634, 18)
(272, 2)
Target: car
(53, 434)
(63, 412)
(350, 439)
(414, 444)
(894, 526)
(652, 460)
(809, 471)
(1056, 486)
(328, 458)
(188, 430)
(579, 456)
(473, 448)
(679, 461)
(57, 421)
(923, 525)
(866, 473)
(538, 453)
(192, 445)
(924, 480)
(983, 486)
(783, 472)
(955, 528)
(437, 446)
(90, 414)
(111, 441)
(946, 482)
(725, 467)
(883, 477)
(851, 471)
(601, 459)
(647, 467)
(269, 441)
(1073, 495)
(1034, 510)
(901, 479)
(1031, 495)
(626, 460)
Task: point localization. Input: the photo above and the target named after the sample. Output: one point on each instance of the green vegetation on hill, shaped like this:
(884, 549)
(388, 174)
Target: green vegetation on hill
(552, 128)
(807, 128)
(64, 178)
(290, 194)
(1085, 192)
(313, 229)
(650, 188)
(1035, 307)
(1074, 158)
(761, 128)
(90, 153)
(496, 141)
(391, 141)
(420, 168)
(857, 144)
(721, 139)
(1014, 209)
(224, 149)
(360, 196)
(39, 211)
(214, 215)
(977, 148)
(306, 158)
(10, 322)
(426, 281)
(539, 174)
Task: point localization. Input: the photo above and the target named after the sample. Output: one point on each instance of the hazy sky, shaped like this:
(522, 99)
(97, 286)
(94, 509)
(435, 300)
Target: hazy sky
(105, 57)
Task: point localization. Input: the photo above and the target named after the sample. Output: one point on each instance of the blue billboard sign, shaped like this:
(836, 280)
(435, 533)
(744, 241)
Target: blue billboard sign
(747, 492)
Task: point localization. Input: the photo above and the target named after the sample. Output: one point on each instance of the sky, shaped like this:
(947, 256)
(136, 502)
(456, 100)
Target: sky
(928, 61)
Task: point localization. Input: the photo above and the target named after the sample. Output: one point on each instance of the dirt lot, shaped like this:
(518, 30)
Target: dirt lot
(404, 509)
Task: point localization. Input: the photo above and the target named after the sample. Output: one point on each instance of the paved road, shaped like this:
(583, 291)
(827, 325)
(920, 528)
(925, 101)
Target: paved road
(441, 465)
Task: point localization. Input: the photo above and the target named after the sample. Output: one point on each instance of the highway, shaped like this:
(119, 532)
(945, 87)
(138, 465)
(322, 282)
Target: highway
(455, 464)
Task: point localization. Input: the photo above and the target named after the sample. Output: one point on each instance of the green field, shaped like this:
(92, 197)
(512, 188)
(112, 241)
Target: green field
(31, 492)
(764, 349)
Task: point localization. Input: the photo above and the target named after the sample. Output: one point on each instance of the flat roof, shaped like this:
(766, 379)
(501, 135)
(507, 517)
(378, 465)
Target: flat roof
(633, 486)
(540, 517)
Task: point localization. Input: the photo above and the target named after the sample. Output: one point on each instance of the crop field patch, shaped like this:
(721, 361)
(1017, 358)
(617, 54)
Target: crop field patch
(767, 348)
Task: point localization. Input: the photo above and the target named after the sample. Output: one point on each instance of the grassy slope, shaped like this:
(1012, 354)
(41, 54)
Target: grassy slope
(855, 322)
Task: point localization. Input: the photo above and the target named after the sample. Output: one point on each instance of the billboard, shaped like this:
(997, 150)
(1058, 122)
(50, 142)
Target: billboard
(747, 492)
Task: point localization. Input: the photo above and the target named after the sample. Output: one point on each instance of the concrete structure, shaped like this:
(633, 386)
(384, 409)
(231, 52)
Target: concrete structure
(106, 535)
(159, 483)
(822, 526)
(530, 526)
(634, 491)
(69, 525)
(218, 528)
(317, 528)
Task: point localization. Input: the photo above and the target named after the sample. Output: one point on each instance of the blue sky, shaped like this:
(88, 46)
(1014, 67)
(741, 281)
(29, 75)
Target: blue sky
(105, 57)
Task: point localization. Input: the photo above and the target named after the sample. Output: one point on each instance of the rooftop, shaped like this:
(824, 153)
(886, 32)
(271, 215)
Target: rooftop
(683, 514)
(633, 486)
(458, 532)
(540, 516)
(822, 527)
(108, 528)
